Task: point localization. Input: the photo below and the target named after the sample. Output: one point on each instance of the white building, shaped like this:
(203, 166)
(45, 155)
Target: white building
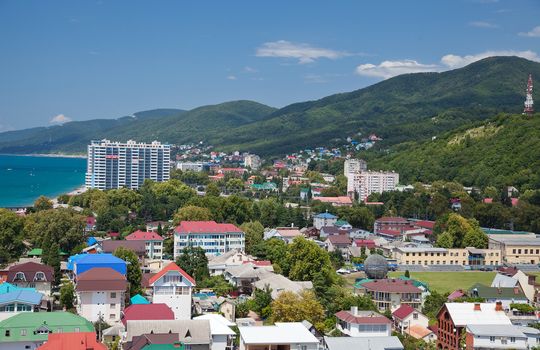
(100, 294)
(218, 264)
(495, 337)
(371, 343)
(252, 161)
(113, 165)
(220, 328)
(367, 182)
(355, 323)
(173, 286)
(282, 335)
(324, 219)
(214, 238)
(153, 243)
(190, 166)
(352, 166)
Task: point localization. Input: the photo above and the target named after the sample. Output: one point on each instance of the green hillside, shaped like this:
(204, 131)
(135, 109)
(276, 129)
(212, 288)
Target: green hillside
(166, 125)
(500, 151)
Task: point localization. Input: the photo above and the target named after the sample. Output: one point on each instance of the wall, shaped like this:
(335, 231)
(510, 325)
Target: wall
(451, 257)
(484, 342)
(90, 304)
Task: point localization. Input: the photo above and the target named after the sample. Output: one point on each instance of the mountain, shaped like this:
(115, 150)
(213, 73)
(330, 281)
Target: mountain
(500, 151)
(166, 125)
(405, 108)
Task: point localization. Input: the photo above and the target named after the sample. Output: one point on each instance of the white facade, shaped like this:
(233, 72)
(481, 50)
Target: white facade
(174, 290)
(190, 166)
(352, 166)
(154, 249)
(22, 345)
(496, 337)
(413, 319)
(253, 161)
(282, 335)
(367, 182)
(214, 243)
(107, 305)
(113, 165)
(365, 330)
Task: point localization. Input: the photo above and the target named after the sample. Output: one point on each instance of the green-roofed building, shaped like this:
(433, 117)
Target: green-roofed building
(341, 223)
(38, 252)
(496, 231)
(164, 347)
(267, 186)
(360, 281)
(28, 330)
(503, 294)
(415, 283)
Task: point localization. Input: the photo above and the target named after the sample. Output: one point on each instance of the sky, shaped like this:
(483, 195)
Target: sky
(64, 61)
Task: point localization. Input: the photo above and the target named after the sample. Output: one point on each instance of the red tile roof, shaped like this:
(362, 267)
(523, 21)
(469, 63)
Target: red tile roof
(403, 311)
(186, 227)
(100, 279)
(389, 232)
(338, 200)
(425, 224)
(171, 267)
(149, 312)
(455, 294)
(388, 219)
(72, 341)
(339, 239)
(259, 263)
(350, 318)
(368, 243)
(30, 269)
(391, 286)
(144, 236)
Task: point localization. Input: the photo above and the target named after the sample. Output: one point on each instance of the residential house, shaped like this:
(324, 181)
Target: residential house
(339, 243)
(454, 318)
(327, 231)
(286, 234)
(72, 341)
(32, 275)
(371, 343)
(506, 296)
(13, 303)
(355, 323)
(243, 276)
(219, 263)
(109, 246)
(147, 312)
(280, 336)
(168, 341)
(6, 287)
(390, 294)
(30, 330)
(533, 336)
(195, 334)
(81, 263)
(340, 201)
(397, 224)
(153, 243)
(279, 283)
(493, 336)
(220, 328)
(408, 320)
(214, 238)
(101, 294)
(324, 219)
(173, 286)
(427, 256)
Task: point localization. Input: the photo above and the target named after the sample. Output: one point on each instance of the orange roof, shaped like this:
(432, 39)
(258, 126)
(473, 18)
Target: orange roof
(338, 200)
(418, 332)
(170, 267)
(72, 341)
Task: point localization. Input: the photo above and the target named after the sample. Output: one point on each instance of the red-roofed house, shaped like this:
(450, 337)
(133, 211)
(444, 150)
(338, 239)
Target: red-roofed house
(357, 323)
(172, 286)
(406, 316)
(152, 241)
(339, 243)
(149, 312)
(72, 341)
(341, 201)
(390, 294)
(214, 238)
(388, 226)
(31, 275)
(366, 243)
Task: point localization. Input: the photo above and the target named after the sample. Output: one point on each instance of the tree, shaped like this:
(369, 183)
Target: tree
(212, 190)
(407, 274)
(357, 216)
(254, 232)
(433, 303)
(306, 258)
(445, 240)
(134, 273)
(192, 213)
(234, 185)
(193, 260)
(43, 203)
(218, 284)
(11, 236)
(475, 237)
(292, 307)
(262, 298)
(67, 295)
(51, 257)
(274, 250)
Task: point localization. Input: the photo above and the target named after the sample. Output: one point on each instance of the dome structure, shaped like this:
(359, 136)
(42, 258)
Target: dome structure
(376, 267)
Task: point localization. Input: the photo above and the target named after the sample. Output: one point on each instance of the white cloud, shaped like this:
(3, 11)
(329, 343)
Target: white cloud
(231, 77)
(305, 53)
(388, 69)
(60, 119)
(534, 33)
(249, 69)
(482, 24)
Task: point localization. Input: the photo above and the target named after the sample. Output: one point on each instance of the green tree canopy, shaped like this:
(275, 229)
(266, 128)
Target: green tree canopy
(43, 203)
(134, 273)
(11, 236)
(192, 213)
(254, 232)
(193, 260)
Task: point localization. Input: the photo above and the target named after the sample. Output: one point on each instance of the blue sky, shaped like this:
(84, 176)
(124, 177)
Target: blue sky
(77, 60)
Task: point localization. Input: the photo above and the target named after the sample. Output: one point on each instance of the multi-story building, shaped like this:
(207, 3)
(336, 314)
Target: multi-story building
(214, 238)
(192, 166)
(365, 183)
(32, 275)
(152, 241)
(252, 161)
(113, 165)
(352, 166)
(390, 294)
(426, 256)
(172, 286)
(517, 250)
(356, 323)
(101, 294)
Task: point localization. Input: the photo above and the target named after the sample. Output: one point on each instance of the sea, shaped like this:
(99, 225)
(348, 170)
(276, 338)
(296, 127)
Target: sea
(25, 178)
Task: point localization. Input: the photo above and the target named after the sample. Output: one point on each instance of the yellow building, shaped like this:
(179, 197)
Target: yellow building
(517, 250)
(426, 256)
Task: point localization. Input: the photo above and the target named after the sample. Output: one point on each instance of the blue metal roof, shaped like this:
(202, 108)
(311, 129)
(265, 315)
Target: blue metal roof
(21, 296)
(325, 215)
(138, 299)
(7, 287)
(84, 262)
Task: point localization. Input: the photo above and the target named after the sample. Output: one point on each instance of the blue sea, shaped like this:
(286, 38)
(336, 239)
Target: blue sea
(24, 178)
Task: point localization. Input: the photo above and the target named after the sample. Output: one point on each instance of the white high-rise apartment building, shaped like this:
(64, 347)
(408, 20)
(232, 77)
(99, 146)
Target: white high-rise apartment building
(367, 182)
(352, 166)
(253, 161)
(114, 165)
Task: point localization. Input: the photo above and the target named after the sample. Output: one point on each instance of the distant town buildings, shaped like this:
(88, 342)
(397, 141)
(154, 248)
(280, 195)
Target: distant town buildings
(112, 165)
(365, 183)
(352, 166)
(192, 166)
(252, 161)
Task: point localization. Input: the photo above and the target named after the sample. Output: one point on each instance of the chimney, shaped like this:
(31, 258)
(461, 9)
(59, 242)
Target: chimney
(477, 307)
(516, 290)
(498, 306)
(354, 310)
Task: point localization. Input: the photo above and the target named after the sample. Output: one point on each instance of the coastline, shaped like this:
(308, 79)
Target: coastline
(46, 155)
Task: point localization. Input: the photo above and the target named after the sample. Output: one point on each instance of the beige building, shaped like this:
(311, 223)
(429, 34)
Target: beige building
(517, 250)
(441, 256)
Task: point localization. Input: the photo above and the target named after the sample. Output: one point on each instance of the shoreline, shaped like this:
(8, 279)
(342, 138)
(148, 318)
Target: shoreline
(46, 155)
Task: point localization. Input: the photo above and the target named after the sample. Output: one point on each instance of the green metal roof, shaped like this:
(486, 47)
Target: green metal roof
(359, 283)
(415, 283)
(26, 325)
(488, 292)
(39, 252)
(496, 231)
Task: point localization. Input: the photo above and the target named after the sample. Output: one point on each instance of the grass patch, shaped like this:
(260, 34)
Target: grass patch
(444, 282)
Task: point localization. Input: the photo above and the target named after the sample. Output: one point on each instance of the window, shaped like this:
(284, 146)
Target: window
(19, 276)
(23, 332)
(7, 333)
(40, 276)
(492, 339)
(76, 329)
(415, 316)
(512, 340)
(112, 316)
(113, 306)
(113, 295)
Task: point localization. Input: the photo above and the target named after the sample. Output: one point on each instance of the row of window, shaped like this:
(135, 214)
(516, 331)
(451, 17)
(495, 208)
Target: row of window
(38, 277)
(525, 251)
(15, 307)
(42, 330)
(451, 262)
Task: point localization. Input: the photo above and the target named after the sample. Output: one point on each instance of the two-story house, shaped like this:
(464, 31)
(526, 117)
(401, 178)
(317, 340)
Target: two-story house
(153, 243)
(355, 323)
(391, 293)
(32, 275)
(18, 301)
(173, 286)
(101, 294)
(280, 336)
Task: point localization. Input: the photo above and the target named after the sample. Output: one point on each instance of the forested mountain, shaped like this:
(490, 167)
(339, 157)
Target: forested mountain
(409, 107)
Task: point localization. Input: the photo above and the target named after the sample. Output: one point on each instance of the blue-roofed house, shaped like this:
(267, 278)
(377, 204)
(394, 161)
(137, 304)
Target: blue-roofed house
(7, 287)
(138, 300)
(13, 303)
(84, 262)
(324, 219)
